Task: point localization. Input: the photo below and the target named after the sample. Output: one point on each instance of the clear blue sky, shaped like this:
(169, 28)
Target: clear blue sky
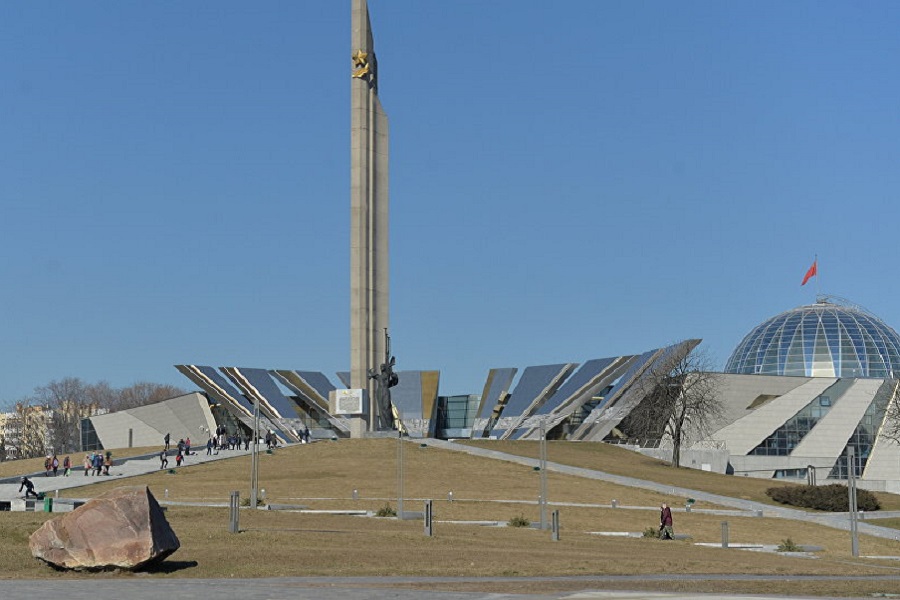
(569, 180)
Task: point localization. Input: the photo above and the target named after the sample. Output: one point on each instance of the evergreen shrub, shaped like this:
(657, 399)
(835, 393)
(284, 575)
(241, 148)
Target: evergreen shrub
(832, 498)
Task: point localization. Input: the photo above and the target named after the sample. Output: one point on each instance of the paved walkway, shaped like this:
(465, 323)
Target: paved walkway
(336, 588)
(122, 468)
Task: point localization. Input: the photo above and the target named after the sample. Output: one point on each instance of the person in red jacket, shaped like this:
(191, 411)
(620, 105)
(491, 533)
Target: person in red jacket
(665, 522)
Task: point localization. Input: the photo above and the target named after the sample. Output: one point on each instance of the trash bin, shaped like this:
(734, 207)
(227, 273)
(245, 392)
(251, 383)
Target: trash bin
(48, 504)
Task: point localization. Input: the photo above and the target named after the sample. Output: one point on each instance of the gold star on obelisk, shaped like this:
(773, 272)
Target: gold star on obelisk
(360, 58)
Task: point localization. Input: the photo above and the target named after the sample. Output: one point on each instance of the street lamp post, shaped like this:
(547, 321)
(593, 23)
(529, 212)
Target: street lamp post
(543, 468)
(254, 457)
(851, 487)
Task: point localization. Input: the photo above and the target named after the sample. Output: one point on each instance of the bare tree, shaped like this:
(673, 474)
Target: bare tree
(891, 427)
(67, 401)
(680, 404)
(30, 430)
(143, 393)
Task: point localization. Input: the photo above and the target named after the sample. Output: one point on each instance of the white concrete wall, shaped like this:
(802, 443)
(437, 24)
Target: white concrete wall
(746, 433)
(830, 434)
(181, 417)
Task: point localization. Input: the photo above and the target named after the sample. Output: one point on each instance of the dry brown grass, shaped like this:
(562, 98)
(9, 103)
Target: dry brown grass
(323, 475)
(619, 461)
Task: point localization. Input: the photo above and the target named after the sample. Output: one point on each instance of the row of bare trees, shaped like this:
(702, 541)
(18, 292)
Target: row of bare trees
(49, 421)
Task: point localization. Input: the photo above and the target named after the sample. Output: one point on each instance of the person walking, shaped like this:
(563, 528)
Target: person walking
(98, 463)
(665, 523)
(166, 440)
(67, 466)
(47, 466)
(209, 447)
(54, 464)
(163, 459)
(88, 462)
(178, 459)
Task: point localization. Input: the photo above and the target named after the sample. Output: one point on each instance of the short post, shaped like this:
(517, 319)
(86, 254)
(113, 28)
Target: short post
(724, 534)
(131, 438)
(166, 495)
(615, 503)
(428, 529)
(450, 496)
(554, 526)
(356, 494)
(235, 506)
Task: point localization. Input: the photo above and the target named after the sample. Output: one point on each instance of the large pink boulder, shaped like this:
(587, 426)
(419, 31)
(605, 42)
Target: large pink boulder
(124, 528)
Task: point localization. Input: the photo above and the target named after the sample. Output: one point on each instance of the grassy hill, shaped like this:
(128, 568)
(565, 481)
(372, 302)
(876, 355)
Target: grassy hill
(324, 475)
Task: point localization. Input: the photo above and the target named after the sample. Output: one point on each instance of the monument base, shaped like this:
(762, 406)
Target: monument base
(358, 427)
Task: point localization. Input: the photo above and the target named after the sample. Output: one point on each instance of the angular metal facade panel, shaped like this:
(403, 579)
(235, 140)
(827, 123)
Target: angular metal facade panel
(583, 376)
(533, 387)
(218, 388)
(318, 381)
(278, 403)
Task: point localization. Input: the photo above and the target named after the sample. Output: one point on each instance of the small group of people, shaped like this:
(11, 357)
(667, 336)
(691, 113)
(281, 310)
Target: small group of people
(96, 463)
(164, 458)
(51, 465)
(224, 441)
(183, 448)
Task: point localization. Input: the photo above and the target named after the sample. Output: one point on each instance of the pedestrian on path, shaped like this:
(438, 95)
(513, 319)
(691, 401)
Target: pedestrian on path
(166, 440)
(163, 460)
(67, 466)
(54, 464)
(88, 462)
(665, 523)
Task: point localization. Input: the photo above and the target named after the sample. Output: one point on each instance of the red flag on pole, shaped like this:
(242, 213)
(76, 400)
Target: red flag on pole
(811, 273)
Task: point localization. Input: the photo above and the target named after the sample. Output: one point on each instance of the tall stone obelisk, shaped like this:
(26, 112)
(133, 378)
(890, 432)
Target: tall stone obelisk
(369, 293)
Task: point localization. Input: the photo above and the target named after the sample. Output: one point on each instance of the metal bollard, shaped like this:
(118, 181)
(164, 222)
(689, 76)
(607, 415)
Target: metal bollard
(167, 494)
(687, 508)
(428, 516)
(356, 494)
(450, 496)
(554, 526)
(615, 503)
(724, 534)
(235, 508)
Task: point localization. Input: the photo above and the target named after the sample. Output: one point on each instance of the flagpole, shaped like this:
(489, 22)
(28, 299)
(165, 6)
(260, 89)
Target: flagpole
(816, 262)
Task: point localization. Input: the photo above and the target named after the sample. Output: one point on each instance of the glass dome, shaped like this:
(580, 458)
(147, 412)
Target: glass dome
(825, 339)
